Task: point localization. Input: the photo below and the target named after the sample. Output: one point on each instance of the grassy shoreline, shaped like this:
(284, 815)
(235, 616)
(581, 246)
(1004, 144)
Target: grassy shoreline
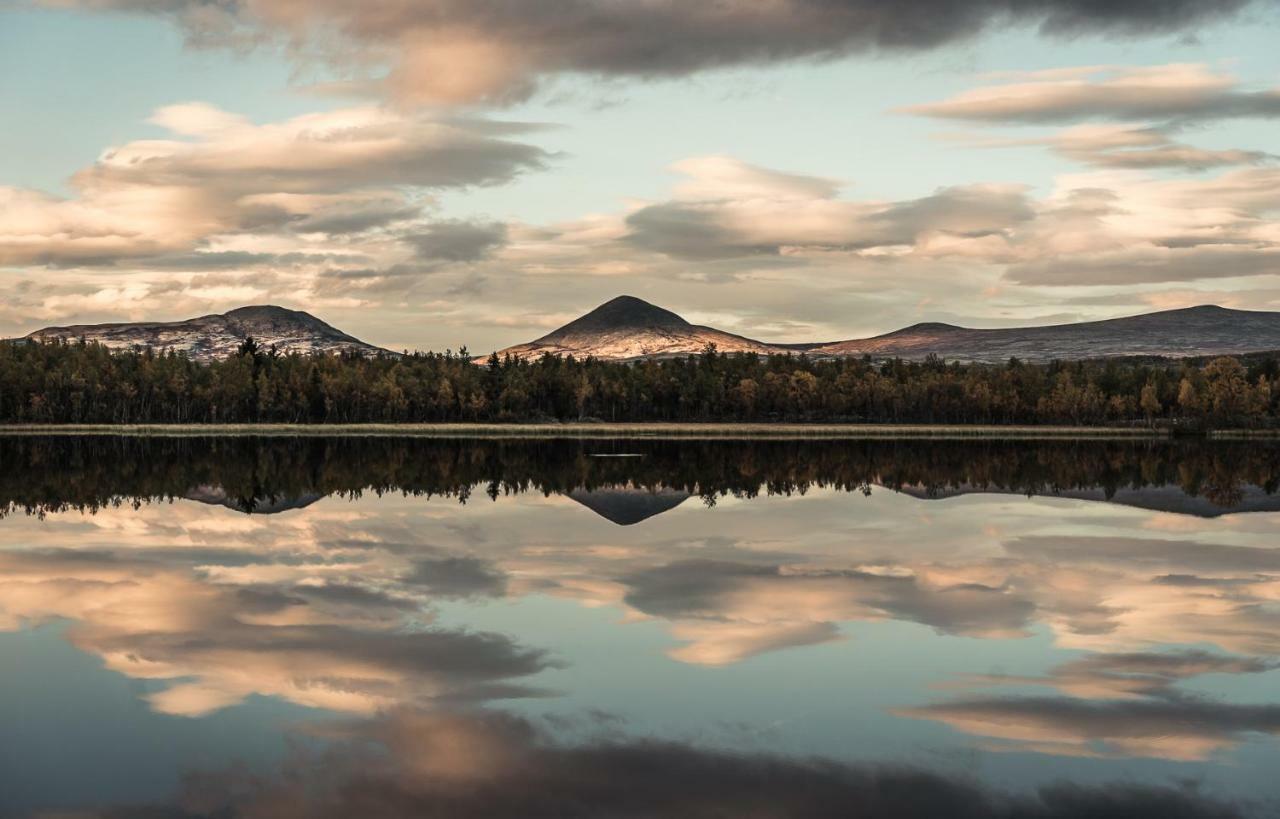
(614, 430)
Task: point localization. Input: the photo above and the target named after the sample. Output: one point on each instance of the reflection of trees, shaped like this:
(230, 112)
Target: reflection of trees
(39, 474)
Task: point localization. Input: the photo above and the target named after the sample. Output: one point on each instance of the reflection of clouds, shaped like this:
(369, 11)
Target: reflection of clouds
(1180, 729)
(332, 605)
(479, 764)
(457, 577)
(324, 644)
(1100, 676)
(735, 610)
(1117, 593)
(1116, 705)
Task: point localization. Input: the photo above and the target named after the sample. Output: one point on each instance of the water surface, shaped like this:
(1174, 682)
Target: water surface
(424, 627)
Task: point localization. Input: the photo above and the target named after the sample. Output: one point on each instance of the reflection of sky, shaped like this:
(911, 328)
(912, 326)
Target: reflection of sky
(1018, 640)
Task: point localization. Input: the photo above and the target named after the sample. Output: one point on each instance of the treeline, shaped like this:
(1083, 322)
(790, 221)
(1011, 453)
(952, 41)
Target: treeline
(41, 474)
(75, 382)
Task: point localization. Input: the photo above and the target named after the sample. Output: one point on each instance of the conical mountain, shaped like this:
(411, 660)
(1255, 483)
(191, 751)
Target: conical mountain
(627, 327)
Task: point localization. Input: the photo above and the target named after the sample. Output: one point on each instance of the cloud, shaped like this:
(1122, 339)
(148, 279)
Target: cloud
(450, 51)
(1150, 265)
(1139, 148)
(730, 209)
(1105, 228)
(1171, 93)
(1130, 146)
(495, 765)
(334, 173)
(457, 241)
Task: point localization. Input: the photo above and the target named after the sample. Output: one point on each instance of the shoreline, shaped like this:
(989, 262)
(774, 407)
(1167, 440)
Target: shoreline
(620, 430)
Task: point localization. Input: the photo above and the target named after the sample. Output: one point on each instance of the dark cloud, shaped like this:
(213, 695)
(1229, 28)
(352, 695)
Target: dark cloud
(458, 241)
(688, 231)
(773, 219)
(493, 765)
(458, 577)
(467, 50)
(973, 210)
(354, 219)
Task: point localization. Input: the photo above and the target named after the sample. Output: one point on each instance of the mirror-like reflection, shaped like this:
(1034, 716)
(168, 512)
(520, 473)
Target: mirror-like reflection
(629, 480)
(385, 627)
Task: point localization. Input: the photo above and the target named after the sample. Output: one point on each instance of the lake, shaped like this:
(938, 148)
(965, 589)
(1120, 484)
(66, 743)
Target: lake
(382, 627)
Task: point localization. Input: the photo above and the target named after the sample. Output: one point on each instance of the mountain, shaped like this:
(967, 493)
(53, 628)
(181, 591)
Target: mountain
(630, 328)
(1192, 331)
(627, 327)
(219, 335)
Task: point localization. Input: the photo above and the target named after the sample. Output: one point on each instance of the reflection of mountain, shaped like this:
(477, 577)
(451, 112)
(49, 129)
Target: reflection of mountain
(1154, 498)
(265, 505)
(44, 474)
(627, 505)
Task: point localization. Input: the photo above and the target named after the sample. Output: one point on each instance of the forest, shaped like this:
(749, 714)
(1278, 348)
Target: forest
(77, 382)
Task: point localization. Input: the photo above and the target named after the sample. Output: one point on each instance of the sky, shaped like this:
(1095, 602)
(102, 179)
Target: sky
(439, 173)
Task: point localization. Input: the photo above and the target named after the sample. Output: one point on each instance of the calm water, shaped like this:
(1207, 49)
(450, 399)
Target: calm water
(381, 628)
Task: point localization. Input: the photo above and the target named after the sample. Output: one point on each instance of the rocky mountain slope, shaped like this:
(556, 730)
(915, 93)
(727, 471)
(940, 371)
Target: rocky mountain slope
(630, 328)
(219, 335)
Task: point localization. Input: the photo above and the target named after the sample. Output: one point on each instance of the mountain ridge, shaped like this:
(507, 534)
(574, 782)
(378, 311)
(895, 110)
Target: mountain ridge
(627, 327)
(218, 335)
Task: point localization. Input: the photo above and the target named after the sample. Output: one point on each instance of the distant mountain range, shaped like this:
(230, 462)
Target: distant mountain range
(631, 328)
(628, 328)
(219, 335)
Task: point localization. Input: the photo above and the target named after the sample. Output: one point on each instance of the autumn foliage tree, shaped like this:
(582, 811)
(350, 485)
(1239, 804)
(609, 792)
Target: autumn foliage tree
(61, 382)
